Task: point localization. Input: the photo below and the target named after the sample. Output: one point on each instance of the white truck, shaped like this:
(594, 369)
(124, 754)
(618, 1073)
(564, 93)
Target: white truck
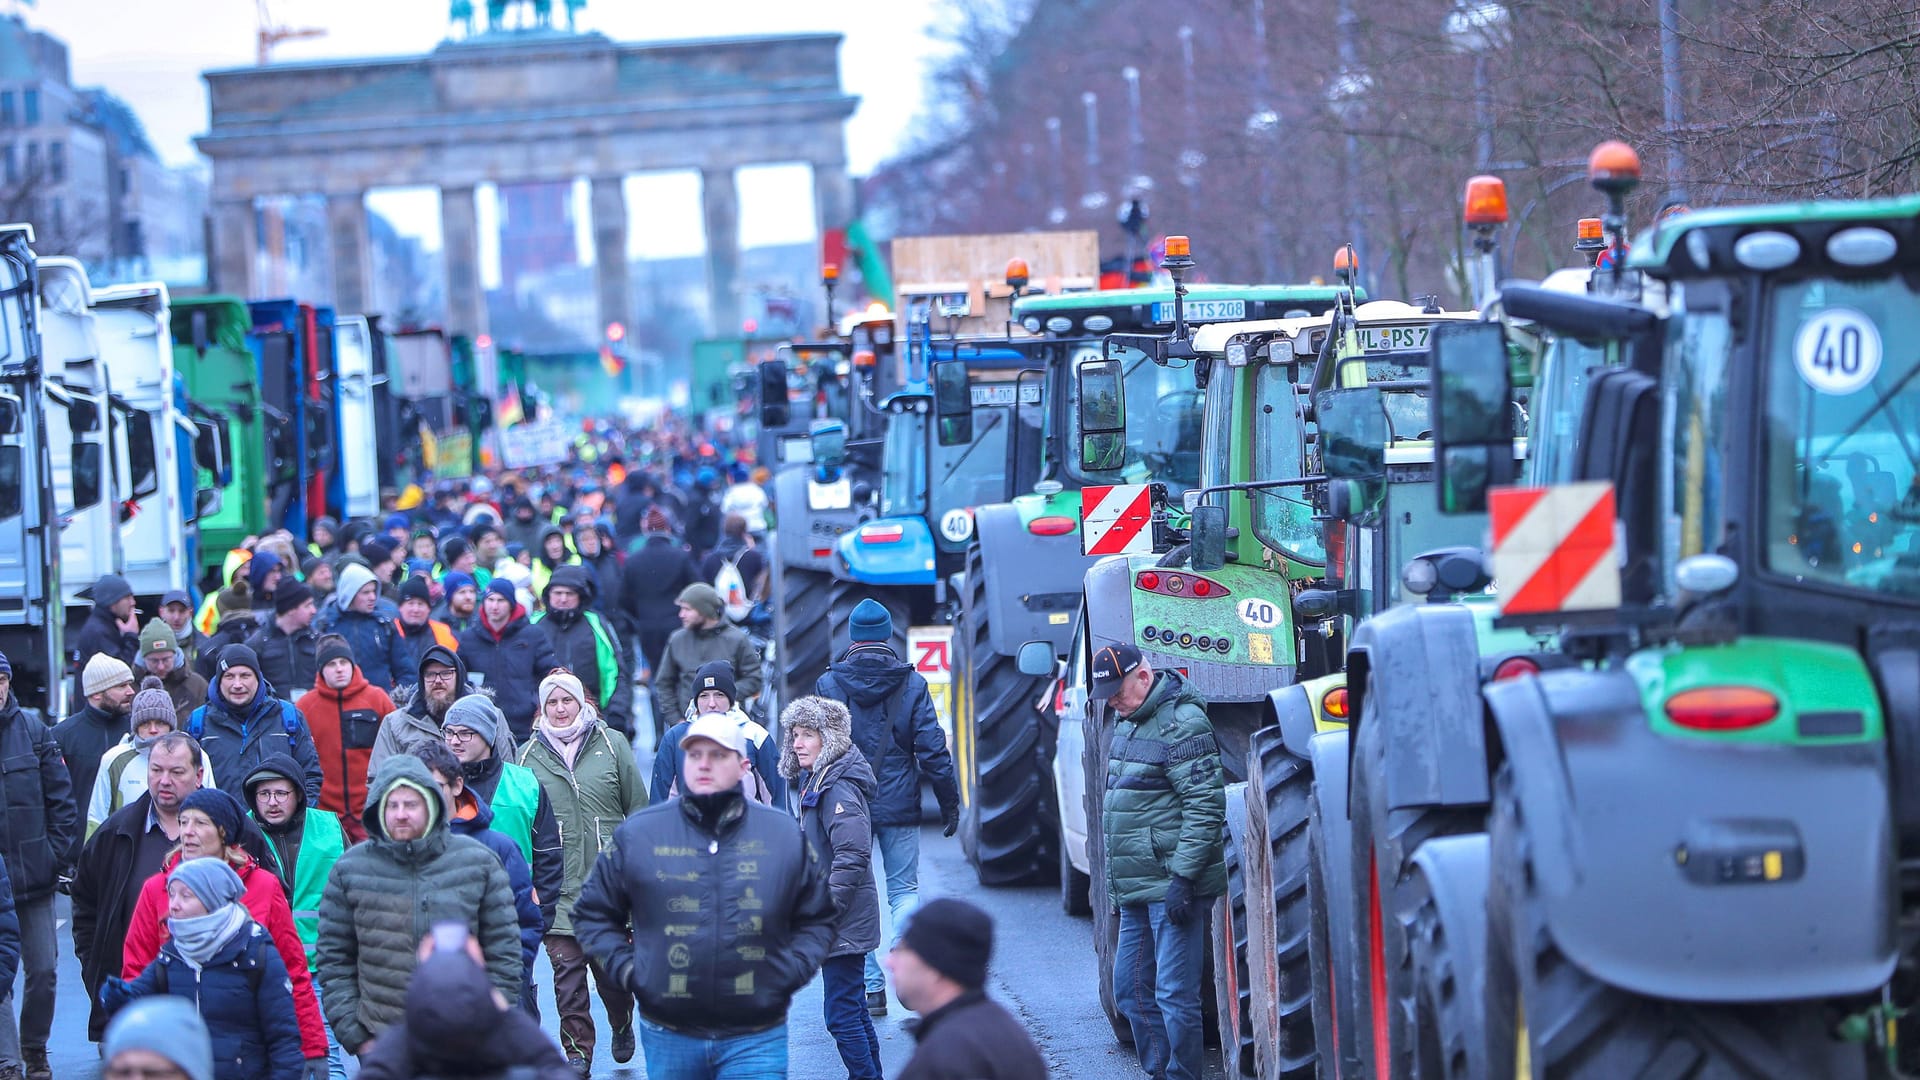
(32, 623)
(132, 327)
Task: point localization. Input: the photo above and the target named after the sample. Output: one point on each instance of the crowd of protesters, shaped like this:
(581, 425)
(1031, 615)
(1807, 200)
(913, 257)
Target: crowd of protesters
(339, 806)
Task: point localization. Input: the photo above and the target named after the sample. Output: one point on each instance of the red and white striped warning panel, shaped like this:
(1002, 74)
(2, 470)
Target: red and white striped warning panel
(1116, 520)
(1554, 548)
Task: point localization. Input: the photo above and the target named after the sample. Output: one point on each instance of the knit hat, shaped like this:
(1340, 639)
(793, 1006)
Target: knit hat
(416, 588)
(235, 599)
(477, 711)
(452, 548)
(152, 703)
(454, 580)
(6, 666)
(378, 550)
(702, 598)
(288, 597)
(655, 520)
(156, 638)
(227, 815)
(397, 520)
(870, 622)
(329, 523)
(417, 567)
(562, 679)
(104, 672)
(110, 590)
(263, 563)
(308, 565)
(953, 938)
(332, 647)
(500, 586)
(234, 656)
(166, 1025)
(716, 675)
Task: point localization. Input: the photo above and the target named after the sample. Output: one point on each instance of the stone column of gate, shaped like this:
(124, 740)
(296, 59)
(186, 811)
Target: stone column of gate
(609, 203)
(720, 203)
(460, 245)
(236, 241)
(352, 255)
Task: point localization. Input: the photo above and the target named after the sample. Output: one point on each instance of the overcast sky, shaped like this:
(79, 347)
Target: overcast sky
(151, 52)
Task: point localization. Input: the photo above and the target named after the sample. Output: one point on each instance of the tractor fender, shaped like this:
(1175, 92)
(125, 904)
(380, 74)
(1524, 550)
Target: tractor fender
(906, 561)
(1692, 869)
(1108, 587)
(1031, 594)
(1291, 710)
(1419, 670)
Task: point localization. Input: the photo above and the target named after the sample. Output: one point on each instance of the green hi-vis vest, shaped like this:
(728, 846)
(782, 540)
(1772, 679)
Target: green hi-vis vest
(516, 800)
(605, 659)
(321, 844)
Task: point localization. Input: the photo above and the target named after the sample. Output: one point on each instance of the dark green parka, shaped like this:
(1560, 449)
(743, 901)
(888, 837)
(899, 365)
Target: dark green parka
(1165, 806)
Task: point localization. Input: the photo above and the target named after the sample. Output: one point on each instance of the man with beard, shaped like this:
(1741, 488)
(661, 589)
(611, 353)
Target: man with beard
(512, 654)
(461, 608)
(422, 630)
(176, 610)
(521, 810)
(421, 712)
(163, 658)
(111, 626)
(584, 644)
(86, 736)
(38, 826)
(523, 523)
(242, 722)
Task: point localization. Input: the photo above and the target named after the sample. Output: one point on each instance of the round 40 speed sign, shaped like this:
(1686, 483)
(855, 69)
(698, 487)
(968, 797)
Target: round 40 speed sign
(1838, 351)
(956, 524)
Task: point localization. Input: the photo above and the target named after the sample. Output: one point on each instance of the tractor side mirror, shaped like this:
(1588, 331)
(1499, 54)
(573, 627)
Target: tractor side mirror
(1035, 659)
(1103, 414)
(1353, 433)
(1207, 538)
(828, 442)
(1472, 415)
(952, 403)
(774, 410)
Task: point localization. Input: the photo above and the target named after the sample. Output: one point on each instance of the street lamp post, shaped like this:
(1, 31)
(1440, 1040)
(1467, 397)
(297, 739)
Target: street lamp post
(1057, 214)
(1263, 124)
(1096, 196)
(1478, 29)
(1347, 96)
(1192, 159)
(1675, 103)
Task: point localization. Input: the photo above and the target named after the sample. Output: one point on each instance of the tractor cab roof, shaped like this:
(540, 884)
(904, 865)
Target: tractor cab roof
(1091, 314)
(1841, 237)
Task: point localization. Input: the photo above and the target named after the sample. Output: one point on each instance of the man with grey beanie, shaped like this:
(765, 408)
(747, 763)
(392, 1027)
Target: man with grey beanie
(473, 729)
(158, 1037)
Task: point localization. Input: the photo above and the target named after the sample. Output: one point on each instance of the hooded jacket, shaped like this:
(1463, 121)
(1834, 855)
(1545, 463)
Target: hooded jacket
(305, 847)
(609, 573)
(40, 831)
(410, 722)
(832, 801)
(379, 648)
(1166, 801)
(665, 912)
(688, 649)
(385, 895)
(891, 712)
(236, 739)
(543, 568)
(586, 644)
(344, 724)
(101, 634)
(589, 801)
(454, 1028)
(513, 659)
(656, 572)
(267, 903)
(473, 818)
(241, 993)
(763, 754)
(288, 660)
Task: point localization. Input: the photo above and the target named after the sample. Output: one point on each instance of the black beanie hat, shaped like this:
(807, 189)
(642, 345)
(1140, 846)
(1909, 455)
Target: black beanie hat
(716, 675)
(330, 648)
(237, 655)
(953, 938)
(222, 809)
(288, 597)
(452, 548)
(415, 588)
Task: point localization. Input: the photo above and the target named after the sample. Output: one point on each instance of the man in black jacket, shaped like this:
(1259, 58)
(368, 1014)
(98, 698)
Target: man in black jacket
(113, 626)
(101, 723)
(656, 571)
(940, 970)
(702, 980)
(585, 642)
(288, 647)
(458, 1025)
(38, 824)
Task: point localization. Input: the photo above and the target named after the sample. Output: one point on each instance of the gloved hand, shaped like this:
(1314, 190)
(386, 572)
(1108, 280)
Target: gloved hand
(114, 993)
(1179, 900)
(317, 1068)
(950, 819)
(624, 975)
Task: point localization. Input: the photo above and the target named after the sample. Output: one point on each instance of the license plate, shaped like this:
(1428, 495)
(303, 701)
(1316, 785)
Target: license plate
(1002, 394)
(1203, 311)
(1394, 338)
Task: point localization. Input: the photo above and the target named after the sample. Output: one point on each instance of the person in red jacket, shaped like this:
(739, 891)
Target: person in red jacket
(210, 825)
(343, 712)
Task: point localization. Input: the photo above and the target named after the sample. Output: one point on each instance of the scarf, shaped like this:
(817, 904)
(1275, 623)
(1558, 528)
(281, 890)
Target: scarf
(198, 938)
(141, 745)
(568, 740)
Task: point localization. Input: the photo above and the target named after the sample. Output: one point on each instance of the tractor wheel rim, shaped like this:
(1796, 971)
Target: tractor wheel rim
(1377, 969)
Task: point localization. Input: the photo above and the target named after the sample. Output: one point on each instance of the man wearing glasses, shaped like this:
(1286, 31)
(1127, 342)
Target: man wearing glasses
(423, 708)
(472, 729)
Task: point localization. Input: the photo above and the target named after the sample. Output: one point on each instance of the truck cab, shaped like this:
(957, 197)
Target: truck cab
(133, 324)
(86, 436)
(32, 613)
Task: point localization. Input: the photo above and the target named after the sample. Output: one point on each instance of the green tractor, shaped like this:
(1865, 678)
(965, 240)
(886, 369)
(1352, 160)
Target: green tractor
(1025, 559)
(1685, 854)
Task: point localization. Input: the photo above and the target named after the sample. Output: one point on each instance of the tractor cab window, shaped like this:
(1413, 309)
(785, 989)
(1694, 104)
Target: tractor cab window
(1164, 424)
(975, 473)
(1566, 370)
(1843, 434)
(1282, 518)
(903, 476)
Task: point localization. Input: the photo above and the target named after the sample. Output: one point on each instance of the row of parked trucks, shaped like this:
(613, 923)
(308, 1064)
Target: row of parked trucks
(1561, 650)
(147, 435)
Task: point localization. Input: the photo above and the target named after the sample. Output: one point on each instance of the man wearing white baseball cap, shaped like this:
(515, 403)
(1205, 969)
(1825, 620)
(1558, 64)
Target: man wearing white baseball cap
(709, 990)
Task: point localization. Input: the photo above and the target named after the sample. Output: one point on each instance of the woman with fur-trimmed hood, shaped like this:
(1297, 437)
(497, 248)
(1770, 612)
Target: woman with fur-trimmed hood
(829, 784)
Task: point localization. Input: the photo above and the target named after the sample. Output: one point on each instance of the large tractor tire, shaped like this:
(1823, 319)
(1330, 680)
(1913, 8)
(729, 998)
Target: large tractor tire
(1547, 1018)
(1448, 892)
(1232, 992)
(1003, 830)
(1279, 787)
(1383, 847)
(803, 647)
(1330, 911)
(1076, 888)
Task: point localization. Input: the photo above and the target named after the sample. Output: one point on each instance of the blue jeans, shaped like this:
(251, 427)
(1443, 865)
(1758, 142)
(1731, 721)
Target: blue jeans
(336, 1057)
(1156, 983)
(673, 1056)
(39, 963)
(845, 1009)
(899, 847)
